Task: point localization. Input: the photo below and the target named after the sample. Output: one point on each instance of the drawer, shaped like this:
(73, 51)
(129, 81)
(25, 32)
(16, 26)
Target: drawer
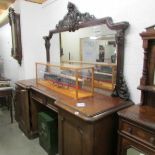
(38, 97)
(137, 132)
(50, 104)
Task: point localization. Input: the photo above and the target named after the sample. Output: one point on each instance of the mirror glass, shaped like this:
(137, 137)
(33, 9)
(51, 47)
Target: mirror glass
(86, 44)
(132, 151)
(94, 45)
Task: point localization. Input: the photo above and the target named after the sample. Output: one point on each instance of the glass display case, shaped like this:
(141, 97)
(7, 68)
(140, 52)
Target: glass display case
(104, 73)
(75, 81)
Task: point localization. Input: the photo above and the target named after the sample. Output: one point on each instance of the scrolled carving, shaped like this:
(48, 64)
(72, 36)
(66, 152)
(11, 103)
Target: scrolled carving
(73, 18)
(11, 15)
(119, 37)
(121, 89)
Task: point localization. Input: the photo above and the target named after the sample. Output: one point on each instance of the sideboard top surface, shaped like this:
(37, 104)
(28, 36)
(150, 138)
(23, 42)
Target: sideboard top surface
(95, 107)
(144, 115)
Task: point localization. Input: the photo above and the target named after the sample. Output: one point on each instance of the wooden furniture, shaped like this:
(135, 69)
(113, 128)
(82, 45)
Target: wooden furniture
(6, 92)
(137, 130)
(87, 130)
(22, 108)
(75, 20)
(137, 123)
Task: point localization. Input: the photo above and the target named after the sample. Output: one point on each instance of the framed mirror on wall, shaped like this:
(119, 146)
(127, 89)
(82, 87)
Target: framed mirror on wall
(14, 20)
(85, 40)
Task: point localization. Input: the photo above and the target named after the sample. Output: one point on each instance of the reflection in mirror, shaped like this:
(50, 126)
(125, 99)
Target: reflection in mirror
(88, 43)
(132, 151)
(95, 46)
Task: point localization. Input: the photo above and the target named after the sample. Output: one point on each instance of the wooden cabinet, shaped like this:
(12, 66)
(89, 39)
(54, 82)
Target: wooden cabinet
(88, 130)
(22, 113)
(137, 123)
(78, 137)
(137, 130)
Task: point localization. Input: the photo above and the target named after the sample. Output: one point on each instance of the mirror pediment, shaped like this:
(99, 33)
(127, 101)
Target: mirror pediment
(85, 39)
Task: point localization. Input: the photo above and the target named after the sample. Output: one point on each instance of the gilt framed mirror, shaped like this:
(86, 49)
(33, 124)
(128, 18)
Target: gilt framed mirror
(85, 40)
(14, 20)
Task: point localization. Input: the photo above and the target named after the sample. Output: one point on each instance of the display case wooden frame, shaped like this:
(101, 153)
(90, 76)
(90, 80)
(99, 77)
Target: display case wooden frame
(75, 20)
(69, 85)
(14, 20)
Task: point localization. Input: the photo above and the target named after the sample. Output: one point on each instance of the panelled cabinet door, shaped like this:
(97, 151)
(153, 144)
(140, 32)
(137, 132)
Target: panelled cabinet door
(22, 109)
(74, 138)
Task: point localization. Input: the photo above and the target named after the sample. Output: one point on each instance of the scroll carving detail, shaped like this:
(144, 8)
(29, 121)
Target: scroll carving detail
(73, 18)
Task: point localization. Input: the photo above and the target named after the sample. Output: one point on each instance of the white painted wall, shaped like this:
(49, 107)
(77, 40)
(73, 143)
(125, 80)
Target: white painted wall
(37, 20)
(11, 67)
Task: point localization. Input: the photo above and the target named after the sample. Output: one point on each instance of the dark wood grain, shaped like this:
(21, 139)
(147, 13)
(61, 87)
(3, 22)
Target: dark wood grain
(95, 106)
(137, 129)
(147, 85)
(88, 130)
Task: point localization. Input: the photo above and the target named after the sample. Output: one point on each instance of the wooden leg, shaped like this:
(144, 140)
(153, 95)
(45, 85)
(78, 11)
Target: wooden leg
(10, 108)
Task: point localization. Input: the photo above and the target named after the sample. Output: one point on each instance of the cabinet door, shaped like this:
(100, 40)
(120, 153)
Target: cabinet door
(22, 109)
(75, 137)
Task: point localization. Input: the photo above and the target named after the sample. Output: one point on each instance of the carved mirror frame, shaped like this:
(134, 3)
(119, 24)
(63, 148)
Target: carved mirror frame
(14, 20)
(75, 20)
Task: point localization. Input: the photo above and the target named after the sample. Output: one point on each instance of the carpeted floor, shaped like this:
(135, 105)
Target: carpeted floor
(13, 141)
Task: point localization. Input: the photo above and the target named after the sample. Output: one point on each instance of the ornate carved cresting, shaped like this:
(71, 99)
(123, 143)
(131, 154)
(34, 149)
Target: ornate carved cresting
(73, 18)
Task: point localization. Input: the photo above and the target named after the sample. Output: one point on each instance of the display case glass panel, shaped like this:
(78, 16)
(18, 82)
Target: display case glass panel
(104, 74)
(75, 81)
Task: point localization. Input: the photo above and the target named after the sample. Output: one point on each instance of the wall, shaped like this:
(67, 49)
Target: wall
(37, 20)
(10, 66)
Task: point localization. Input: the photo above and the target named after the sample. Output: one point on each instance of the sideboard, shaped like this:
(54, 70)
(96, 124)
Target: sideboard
(87, 130)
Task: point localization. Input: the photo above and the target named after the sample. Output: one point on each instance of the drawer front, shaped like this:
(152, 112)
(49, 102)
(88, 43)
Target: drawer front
(38, 97)
(137, 132)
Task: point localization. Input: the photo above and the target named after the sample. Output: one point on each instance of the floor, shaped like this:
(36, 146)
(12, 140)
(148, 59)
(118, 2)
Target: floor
(13, 141)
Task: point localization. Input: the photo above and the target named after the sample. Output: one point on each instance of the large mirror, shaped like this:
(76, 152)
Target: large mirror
(14, 20)
(85, 40)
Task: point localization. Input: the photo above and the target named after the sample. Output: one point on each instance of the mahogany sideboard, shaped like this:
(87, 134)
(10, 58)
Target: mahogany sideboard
(89, 130)
(137, 130)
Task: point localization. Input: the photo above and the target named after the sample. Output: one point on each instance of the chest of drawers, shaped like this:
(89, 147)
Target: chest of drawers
(137, 130)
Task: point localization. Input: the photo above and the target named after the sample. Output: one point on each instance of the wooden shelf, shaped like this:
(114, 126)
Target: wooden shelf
(147, 88)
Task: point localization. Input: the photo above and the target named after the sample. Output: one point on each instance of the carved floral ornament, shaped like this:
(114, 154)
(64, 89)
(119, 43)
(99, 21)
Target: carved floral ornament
(73, 18)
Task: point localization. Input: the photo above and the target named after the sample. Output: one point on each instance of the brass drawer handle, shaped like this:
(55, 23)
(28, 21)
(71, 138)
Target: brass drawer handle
(129, 130)
(152, 140)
